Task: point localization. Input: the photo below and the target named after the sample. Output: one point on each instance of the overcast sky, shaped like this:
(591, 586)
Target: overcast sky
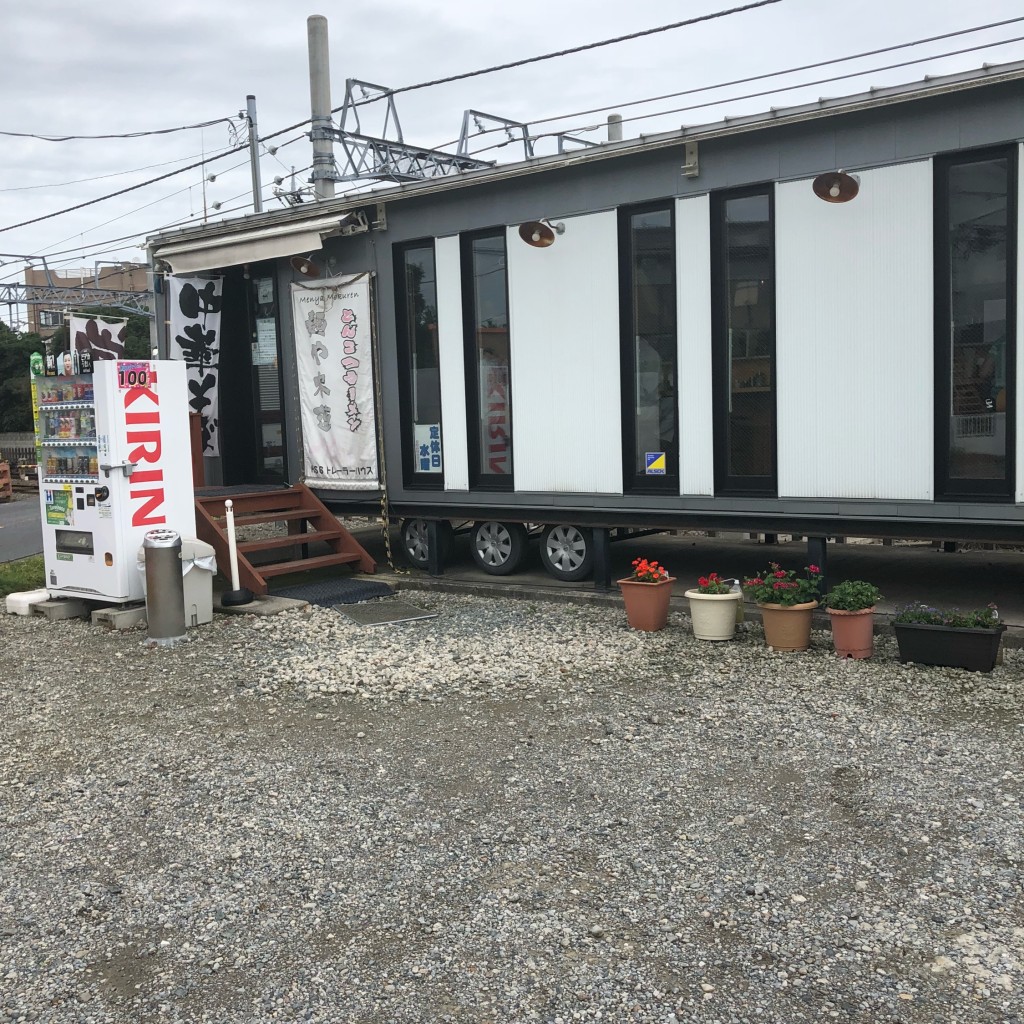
(119, 67)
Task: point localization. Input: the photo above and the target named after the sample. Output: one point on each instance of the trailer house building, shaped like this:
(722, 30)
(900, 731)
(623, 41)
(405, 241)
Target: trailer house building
(804, 321)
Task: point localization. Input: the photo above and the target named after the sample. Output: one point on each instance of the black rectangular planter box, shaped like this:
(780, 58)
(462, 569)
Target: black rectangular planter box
(973, 649)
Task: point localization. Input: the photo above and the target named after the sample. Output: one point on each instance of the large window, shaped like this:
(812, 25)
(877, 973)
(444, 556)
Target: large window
(649, 350)
(975, 325)
(419, 372)
(488, 364)
(743, 327)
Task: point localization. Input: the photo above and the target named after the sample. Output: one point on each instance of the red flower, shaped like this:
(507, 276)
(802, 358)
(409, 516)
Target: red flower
(814, 569)
(780, 575)
(703, 581)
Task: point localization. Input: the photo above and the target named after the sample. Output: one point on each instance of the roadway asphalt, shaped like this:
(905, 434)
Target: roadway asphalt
(21, 533)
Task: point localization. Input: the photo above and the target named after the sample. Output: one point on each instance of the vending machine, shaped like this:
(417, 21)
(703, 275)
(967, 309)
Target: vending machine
(114, 462)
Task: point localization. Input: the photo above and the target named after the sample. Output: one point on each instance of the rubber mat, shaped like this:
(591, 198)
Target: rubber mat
(379, 613)
(338, 591)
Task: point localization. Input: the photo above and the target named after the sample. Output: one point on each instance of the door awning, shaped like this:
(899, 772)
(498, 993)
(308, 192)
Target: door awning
(250, 246)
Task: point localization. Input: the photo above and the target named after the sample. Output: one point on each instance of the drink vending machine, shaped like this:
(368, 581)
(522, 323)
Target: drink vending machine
(114, 461)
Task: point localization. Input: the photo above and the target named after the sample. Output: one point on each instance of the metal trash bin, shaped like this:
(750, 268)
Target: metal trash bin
(165, 591)
(198, 566)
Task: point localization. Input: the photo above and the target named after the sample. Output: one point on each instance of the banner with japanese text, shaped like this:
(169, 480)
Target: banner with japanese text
(336, 385)
(101, 337)
(194, 306)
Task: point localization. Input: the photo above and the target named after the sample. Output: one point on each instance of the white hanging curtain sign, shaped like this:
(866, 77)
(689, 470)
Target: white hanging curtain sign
(102, 337)
(336, 387)
(195, 305)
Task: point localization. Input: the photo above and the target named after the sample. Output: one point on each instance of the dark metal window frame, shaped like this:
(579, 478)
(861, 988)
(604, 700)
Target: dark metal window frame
(962, 489)
(412, 478)
(726, 484)
(256, 272)
(634, 482)
(477, 479)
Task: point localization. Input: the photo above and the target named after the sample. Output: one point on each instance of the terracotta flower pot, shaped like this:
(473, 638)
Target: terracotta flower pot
(713, 615)
(647, 603)
(787, 627)
(853, 633)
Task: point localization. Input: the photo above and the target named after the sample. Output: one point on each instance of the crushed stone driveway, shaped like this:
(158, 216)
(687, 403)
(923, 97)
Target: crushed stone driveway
(511, 812)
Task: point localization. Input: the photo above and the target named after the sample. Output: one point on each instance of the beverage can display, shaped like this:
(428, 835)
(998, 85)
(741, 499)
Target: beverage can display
(85, 361)
(35, 363)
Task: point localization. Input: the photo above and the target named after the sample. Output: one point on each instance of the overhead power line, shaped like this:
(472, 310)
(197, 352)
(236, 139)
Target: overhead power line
(408, 88)
(122, 135)
(580, 49)
(766, 75)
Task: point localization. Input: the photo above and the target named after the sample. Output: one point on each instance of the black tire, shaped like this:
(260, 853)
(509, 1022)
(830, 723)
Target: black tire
(567, 552)
(497, 548)
(415, 544)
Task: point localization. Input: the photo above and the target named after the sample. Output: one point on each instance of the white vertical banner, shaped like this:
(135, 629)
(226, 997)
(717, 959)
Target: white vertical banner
(195, 305)
(336, 386)
(103, 337)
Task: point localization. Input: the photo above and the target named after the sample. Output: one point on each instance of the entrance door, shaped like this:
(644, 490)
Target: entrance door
(268, 414)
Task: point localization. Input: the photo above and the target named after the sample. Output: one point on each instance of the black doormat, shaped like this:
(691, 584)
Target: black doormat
(336, 591)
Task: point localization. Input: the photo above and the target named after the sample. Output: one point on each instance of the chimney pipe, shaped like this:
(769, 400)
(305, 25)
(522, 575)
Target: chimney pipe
(614, 127)
(320, 106)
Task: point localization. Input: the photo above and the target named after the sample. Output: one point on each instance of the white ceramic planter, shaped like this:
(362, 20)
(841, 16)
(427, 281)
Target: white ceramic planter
(713, 615)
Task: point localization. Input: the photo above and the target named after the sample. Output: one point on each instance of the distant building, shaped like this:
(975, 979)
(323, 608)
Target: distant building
(44, 319)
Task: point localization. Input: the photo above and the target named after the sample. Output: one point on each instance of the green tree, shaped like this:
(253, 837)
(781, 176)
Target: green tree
(15, 391)
(136, 343)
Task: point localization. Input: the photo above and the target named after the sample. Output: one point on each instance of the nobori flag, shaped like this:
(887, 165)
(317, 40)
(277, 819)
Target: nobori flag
(336, 386)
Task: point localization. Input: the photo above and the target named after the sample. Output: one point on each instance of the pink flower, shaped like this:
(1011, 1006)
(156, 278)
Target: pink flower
(814, 569)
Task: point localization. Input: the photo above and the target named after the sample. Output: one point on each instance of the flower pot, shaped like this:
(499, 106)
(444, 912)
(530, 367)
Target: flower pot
(853, 633)
(647, 603)
(713, 615)
(974, 649)
(787, 627)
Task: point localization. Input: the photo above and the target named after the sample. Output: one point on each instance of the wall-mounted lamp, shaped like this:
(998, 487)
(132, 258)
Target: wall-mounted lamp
(836, 186)
(540, 233)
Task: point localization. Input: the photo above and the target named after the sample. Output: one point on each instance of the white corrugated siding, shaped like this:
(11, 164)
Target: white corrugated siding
(693, 313)
(453, 364)
(855, 338)
(564, 319)
(1019, 496)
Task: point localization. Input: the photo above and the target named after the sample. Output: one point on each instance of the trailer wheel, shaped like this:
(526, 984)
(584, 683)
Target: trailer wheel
(416, 543)
(567, 552)
(498, 548)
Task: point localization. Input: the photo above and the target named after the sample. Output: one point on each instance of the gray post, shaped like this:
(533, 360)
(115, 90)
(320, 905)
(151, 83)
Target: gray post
(435, 563)
(165, 588)
(614, 127)
(602, 558)
(320, 106)
(254, 154)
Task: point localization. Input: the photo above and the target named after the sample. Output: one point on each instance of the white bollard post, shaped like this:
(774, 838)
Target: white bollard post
(236, 595)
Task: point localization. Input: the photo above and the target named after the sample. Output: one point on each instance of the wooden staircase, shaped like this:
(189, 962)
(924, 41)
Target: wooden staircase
(308, 521)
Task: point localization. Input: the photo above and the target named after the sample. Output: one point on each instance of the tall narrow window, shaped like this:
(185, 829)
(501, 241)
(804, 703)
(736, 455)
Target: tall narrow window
(649, 350)
(419, 376)
(975, 325)
(743, 327)
(488, 359)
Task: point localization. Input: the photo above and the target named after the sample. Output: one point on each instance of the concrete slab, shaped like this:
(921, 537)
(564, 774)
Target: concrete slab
(269, 605)
(119, 618)
(62, 608)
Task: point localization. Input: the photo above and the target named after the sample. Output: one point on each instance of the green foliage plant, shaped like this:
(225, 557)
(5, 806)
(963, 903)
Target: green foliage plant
(783, 586)
(713, 584)
(852, 596)
(980, 618)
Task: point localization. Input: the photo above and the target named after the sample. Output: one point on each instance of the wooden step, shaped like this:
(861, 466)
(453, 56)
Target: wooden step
(304, 564)
(276, 517)
(296, 505)
(290, 540)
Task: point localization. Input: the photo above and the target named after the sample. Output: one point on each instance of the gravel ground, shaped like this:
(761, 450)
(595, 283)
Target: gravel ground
(512, 812)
